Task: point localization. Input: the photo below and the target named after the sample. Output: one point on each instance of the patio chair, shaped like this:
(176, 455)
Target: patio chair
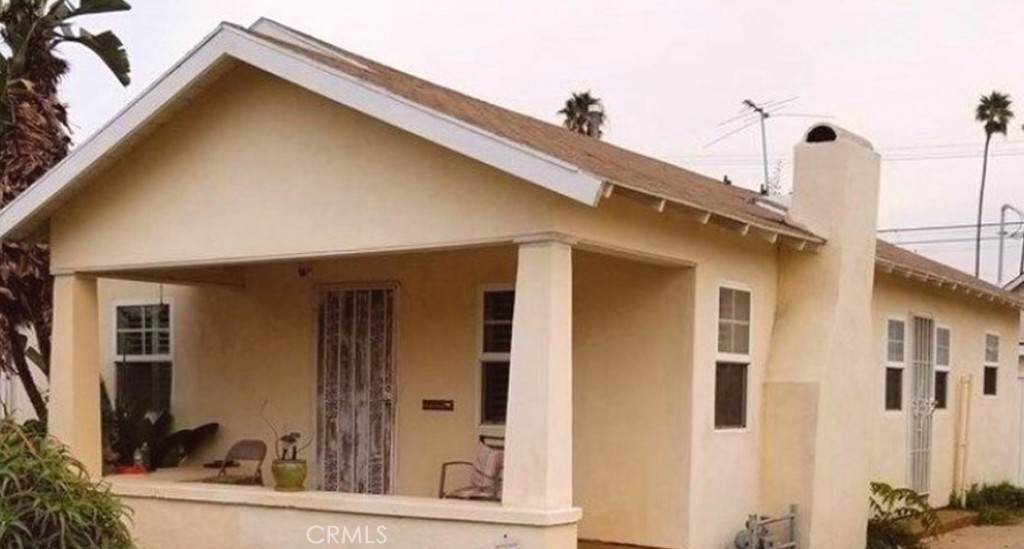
(486, 476)
(243, 450)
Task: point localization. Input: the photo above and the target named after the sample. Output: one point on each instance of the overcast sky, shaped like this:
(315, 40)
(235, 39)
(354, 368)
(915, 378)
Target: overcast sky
(906, 75)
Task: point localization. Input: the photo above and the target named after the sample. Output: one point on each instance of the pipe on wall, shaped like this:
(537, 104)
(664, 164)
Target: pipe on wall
(962, 438)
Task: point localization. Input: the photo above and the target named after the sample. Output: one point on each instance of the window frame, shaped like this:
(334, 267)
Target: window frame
(746, 359)
(122, 303)
(986, 363)
(894, 365)
(943, 368)
(490, 429)
(141, 359)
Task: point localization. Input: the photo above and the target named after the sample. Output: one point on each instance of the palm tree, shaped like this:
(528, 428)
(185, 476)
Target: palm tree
(34, 136)
(993, 111)
(584, 114)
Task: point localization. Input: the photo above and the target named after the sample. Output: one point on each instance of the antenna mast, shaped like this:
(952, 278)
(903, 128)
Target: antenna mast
(757, 113)
(762, 115)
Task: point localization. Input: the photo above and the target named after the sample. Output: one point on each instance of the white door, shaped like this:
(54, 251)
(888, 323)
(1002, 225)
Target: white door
(922, 403)
(356, 388)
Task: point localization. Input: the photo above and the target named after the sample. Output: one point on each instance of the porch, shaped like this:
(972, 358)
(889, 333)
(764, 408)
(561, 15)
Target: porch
(249, 333)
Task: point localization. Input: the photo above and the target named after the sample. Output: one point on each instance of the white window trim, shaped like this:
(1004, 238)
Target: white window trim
(947, 368)
(943, 367)
(118, 358)
(900, 365)
(488, 429)
(885, 348)
(985, 363)
(747, 358)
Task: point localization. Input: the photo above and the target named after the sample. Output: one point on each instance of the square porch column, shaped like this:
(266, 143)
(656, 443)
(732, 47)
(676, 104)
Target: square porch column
(538, 427)
(74, 405)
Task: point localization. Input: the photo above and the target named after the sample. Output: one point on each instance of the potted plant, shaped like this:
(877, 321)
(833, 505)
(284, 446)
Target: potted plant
(288, 468)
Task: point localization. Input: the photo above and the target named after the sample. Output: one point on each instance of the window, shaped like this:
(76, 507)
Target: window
(895, 359)
(731, 369)
(941, 390)
(894, 389)
(495, 350)
(991, 378)
(733, 321)
(943, 341)
(143, 348)
(897, 342)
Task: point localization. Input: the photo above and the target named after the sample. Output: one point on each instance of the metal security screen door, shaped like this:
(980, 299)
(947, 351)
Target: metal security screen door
(922, 403)
(356, 388)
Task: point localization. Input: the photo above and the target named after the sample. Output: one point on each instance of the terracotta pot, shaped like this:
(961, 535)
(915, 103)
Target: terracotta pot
(289, 474)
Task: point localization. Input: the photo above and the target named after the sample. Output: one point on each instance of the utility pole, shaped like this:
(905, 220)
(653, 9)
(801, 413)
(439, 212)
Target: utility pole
(763, 115)
(1002, 237)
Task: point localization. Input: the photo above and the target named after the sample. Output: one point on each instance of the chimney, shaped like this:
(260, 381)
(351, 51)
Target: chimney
(819, 390)
(835, 185)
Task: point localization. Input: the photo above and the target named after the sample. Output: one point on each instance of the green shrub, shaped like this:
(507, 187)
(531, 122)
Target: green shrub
(891, 535)
(997, 516)
(47, 499)
(1003, 495)
(893, 510)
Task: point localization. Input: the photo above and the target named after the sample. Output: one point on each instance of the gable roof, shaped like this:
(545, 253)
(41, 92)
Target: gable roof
(579, 167)
(893, 259)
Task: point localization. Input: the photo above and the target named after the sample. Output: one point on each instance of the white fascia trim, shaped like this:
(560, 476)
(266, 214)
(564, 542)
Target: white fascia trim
(227, 41)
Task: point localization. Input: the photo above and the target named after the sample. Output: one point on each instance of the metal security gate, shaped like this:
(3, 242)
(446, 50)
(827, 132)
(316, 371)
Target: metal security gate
(922, 403)
(356, 388)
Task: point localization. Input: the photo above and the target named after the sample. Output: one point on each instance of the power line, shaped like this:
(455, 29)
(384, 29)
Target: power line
(976, 147)
(938, 227)
(739, 161)
(944, 241)
(897, 153)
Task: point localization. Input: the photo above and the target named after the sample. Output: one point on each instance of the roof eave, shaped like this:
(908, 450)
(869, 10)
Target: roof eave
(791, 237)
(944, 282)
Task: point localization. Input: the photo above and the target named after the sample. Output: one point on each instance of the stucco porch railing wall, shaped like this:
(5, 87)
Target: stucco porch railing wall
(171, 510)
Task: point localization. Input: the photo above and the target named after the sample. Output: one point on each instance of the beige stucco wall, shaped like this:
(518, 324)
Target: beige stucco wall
(724, 468)
(994, 424)
(171, 524)
(257, 167)
(631, 367)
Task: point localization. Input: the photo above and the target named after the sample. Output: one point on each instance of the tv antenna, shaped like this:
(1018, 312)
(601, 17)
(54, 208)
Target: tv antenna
(754, 112)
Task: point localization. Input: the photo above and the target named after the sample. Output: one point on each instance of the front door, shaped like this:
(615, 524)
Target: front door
(356, 388)
(922, 403)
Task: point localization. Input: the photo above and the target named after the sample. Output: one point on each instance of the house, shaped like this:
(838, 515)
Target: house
(663, 354)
